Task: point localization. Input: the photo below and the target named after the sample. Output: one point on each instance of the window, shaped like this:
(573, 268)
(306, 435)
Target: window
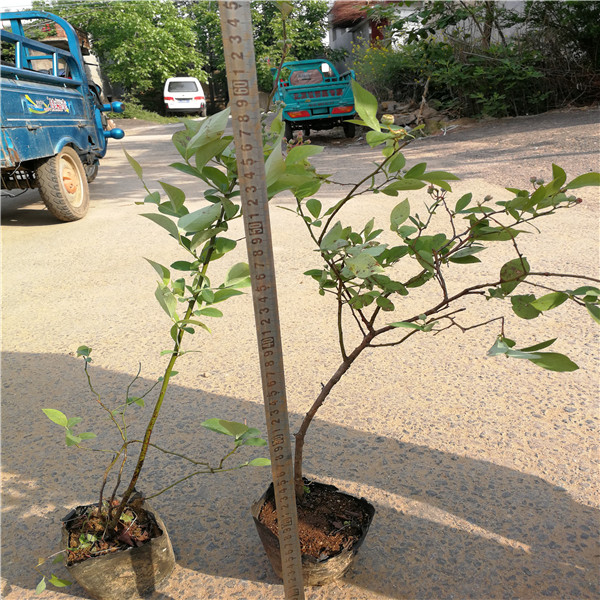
(183, 86)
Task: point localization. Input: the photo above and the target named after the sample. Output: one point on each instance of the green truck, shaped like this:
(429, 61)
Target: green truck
(315, 96)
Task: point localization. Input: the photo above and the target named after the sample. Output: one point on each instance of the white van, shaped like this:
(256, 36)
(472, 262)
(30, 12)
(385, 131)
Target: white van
(184, 94)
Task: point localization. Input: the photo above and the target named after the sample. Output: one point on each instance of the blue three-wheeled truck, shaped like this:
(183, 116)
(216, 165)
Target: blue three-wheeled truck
(53, 122)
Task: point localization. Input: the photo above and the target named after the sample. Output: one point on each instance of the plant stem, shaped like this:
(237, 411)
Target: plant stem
(146, 441)
(163, 389)
(346, 364)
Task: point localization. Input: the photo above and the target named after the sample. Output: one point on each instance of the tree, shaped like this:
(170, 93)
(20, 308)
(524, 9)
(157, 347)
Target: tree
(573, 27)
(306, 27)
(140, 43)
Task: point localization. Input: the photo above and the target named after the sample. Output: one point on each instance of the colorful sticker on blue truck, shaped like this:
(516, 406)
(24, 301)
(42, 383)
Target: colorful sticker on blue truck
(53, 105)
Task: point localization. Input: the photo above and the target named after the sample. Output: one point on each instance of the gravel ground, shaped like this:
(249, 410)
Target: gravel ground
(483, 472)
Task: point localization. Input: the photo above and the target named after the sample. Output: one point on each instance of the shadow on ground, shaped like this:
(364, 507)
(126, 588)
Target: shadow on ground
(446, 526)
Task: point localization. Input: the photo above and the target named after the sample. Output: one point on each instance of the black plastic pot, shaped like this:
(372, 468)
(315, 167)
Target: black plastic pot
(127, 574)
(314, 571)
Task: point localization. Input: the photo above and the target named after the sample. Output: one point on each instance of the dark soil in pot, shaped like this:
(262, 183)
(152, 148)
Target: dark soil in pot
(332, 526)
(126, 565)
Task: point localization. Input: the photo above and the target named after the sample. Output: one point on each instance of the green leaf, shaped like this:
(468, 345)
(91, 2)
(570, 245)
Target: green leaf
(585, 290)
(402, 184)
(554, 362)
(202, 236)
(435, 176)
(87, 435)
(585, 180)
(152, 198)
(56, 416)
(184, 265)
(463, 202)
(363, 266)
(407, 325)
(238, 275)
(416, 172)
(210, 130)
(300, 153)
(176, 195)
(164, 222)
(374, 138)
(54, 580)
(550, 301)
(467, 251)
(314, 207)
(134, 163)
(209, 311)
(385, 303)
(522, 306)
(167, 300)
(465, 260)
(399, 214)
(253, 441)
(41, 586)
(217, 177)
(223, 294)
(274, 166)
(500, 347)
(200, 219)
(71, 439)
(164, 273)
(366, 106)
(231, 428)
(512, 273)
(73, 421)
(260, 462)
(285, 8)
(84, 351)
(594, 311)
(185, 168)
(332, 238)
(210, 150)
(397, 163)
(539, 346)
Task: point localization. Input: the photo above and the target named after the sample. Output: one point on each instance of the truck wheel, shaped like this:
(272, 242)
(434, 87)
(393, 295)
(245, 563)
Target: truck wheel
(289, 132)
(349, 129)
(63, 185)
(91, 171)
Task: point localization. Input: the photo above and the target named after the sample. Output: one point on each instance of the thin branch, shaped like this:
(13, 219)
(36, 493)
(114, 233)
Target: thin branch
(568, 275)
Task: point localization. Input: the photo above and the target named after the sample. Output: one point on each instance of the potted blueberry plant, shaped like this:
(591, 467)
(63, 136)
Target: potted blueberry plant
(118, 547)
(367, 272)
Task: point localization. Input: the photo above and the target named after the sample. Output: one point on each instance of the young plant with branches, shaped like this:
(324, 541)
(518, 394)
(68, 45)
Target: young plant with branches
(188, 296)
(368, 279)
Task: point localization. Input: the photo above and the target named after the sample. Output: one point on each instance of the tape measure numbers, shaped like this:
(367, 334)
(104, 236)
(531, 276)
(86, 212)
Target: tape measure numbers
(236, 27)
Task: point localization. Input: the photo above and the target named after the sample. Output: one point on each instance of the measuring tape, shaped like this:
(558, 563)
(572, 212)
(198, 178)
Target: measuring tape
(236, 26)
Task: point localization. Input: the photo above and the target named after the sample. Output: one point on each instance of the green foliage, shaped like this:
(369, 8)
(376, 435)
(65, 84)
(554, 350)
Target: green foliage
(475, 66)
(368, 274)
(187, 295)
(500, 81)
(140, 43)
(300, 31)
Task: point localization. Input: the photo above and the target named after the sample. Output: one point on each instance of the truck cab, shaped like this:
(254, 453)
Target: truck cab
(54, 130)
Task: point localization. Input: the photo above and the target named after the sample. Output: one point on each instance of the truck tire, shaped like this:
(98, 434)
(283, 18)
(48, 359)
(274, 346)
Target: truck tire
(349, 129)
(289, 132)
(91, 171)
(63, 185)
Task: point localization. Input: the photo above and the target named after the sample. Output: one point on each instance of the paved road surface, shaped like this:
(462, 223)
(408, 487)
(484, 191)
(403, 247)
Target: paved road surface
(484, 472)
